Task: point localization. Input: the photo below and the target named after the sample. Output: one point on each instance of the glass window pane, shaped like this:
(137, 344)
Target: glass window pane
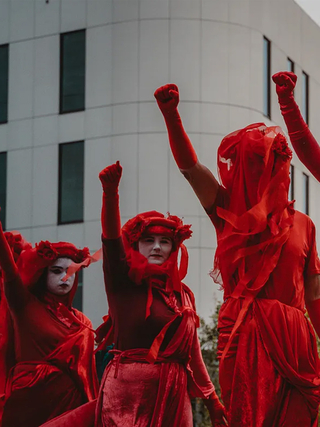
(3, 188)
(266, 77)
(72, 72)
(291, 188)
(290, 65)
(305, 97)
(71, 175)
(305, 189)
(4, 60)
(78, 298)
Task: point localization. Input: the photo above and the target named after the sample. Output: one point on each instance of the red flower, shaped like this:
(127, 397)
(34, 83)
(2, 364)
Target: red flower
(83, 254)
(280, 147)
(46, 251)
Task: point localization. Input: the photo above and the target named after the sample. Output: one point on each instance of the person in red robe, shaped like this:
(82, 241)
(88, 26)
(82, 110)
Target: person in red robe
(154, 321)
(54, 368)
(157, 365)
(267, 262)
(304, 143)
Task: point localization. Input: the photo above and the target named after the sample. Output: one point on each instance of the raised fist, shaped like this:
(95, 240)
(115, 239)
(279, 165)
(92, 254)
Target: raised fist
(285, 83)
(110, 177)
(167, 98)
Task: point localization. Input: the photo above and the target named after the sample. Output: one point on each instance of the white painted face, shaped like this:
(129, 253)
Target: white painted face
(155, 248)
(56, 272)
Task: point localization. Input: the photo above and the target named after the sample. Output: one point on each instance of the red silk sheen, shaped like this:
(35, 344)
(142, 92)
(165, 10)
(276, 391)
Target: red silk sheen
(269, 367)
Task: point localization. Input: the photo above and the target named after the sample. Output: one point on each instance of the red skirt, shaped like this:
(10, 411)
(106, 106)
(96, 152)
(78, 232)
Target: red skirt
(270, 376)
(141, 394)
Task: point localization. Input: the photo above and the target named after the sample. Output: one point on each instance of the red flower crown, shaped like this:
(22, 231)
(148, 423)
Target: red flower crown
(144, 223)
(51, 251)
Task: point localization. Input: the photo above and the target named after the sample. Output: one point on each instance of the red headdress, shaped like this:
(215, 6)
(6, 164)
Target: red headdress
(33, 262)
(153, 222)
(254, 167)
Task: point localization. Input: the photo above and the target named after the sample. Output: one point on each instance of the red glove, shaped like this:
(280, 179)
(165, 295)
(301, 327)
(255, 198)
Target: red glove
(216, 410)
(7, 263)
(110, 214)
(183, 152)
(303, 142)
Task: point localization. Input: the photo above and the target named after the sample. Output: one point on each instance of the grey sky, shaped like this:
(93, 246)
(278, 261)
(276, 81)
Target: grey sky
(312, 8)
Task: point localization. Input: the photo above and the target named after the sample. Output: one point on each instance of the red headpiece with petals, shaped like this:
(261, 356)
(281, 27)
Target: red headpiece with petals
(17, 243)
(154, 222)
(33, 262)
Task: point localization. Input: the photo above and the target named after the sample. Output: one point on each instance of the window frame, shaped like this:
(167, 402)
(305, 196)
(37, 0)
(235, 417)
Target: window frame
(62, 35)
(3, 46)
(266, 77)
(4, 206)
(77, 221)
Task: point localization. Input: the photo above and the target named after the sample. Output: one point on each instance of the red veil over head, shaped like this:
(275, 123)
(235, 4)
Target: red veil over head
(254, 167)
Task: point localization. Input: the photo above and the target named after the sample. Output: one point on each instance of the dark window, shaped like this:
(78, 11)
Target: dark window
(305, 193)
(291, 188)
(72, 71)
(78, 298)
(3, 188)
(290, 65)
(4, 79)
(71, 175)
(305, 97)
(266, 77)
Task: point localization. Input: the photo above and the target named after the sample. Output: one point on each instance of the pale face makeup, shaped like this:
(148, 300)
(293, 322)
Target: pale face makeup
(56, 273)
(156, 248)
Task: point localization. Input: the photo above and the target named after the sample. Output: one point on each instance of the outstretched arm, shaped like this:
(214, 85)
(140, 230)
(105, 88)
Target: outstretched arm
(304, 144)
(114, 258)
(201, 376)
(13, 287)
(110, 214)
(201, 179)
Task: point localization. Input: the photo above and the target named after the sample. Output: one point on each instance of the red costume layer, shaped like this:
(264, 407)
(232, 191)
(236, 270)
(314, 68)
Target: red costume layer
(179, 364)
(269, 367)
(273, 359)
(54, 367)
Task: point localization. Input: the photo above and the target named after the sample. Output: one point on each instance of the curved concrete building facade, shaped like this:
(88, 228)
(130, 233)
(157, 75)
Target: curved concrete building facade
(212, 49)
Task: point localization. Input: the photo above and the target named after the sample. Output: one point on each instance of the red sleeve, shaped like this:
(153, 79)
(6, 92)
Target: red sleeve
(201, 385)
(221, 202)
(312, 265)
(115, 266)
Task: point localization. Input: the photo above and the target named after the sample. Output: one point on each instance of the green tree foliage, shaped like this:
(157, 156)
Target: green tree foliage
(208, 336)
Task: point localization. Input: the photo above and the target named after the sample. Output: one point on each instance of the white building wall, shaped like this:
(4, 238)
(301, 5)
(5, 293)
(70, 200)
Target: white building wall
(212, 49)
